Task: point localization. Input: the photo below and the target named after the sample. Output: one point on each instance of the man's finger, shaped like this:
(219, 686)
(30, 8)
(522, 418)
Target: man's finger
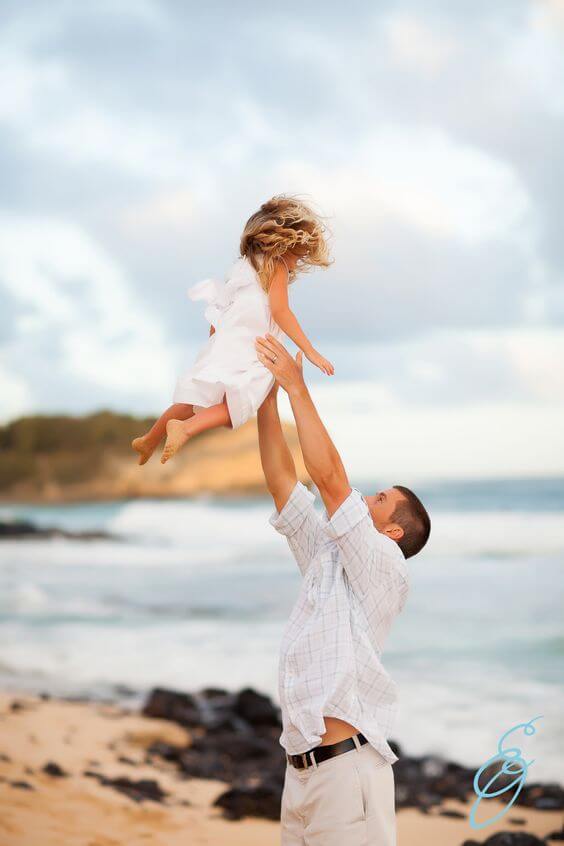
(265, 346)
(276, 343)
(266, 361)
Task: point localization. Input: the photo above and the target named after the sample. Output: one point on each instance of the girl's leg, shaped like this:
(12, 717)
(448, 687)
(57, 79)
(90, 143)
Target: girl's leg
(179, 431)
(147, 443)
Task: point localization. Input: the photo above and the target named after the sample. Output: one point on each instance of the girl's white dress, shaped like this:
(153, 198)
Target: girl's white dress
(227, 366)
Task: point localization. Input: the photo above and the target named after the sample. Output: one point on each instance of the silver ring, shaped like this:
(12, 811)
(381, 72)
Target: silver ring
(275, 357)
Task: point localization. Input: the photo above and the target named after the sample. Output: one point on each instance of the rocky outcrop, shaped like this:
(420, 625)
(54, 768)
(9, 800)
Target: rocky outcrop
(235, 738)
(91, 459)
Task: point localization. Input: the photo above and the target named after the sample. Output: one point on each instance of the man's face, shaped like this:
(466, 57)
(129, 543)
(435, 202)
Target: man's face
(381, 506)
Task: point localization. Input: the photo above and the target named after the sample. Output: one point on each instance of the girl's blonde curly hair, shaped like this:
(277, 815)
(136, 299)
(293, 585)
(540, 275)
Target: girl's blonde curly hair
(284, 224)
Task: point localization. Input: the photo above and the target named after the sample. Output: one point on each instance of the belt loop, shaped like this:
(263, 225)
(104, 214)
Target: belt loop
(356, 742)
(312, 758)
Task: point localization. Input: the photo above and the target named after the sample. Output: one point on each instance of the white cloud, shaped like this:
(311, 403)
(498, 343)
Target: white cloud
(71, 289)
(407, 444)
(16, 395)
(536, 356)
(422, 177)
(534, 56)
(170, 212)
(416, 45)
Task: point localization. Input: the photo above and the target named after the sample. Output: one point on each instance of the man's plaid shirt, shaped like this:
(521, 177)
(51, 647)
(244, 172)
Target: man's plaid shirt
(354, 583)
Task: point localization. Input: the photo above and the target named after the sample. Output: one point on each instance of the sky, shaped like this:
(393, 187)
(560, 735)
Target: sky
(137, 136)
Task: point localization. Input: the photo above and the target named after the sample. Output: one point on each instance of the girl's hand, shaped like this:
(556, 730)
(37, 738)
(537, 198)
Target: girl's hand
(321, 362)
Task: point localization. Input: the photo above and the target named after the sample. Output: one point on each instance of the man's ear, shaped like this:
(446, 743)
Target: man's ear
(394, 531)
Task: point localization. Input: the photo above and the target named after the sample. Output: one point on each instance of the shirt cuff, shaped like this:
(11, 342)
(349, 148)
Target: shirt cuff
(349, 513)
(294, 511)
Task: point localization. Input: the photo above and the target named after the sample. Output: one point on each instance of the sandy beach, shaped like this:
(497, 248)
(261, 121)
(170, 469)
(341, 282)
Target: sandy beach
(76, 809)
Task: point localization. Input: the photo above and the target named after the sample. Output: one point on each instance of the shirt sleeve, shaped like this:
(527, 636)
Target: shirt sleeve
(373, 562)
(300, 524)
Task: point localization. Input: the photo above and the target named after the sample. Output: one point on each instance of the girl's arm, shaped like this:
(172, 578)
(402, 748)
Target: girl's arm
(281, 311)
(287, 320)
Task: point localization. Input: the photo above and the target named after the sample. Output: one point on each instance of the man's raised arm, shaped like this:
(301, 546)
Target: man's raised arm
(321, 458)
(276, 458)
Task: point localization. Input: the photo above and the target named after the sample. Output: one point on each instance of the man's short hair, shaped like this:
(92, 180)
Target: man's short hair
(411, 515)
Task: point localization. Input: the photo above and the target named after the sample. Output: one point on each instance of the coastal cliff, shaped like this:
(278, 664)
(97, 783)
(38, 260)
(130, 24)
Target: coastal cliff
(54, 459)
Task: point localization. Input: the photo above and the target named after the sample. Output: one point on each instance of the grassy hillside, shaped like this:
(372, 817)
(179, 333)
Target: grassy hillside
(64, 458)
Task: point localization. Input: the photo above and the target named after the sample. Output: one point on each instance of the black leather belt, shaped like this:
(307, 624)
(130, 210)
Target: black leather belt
(321, 753)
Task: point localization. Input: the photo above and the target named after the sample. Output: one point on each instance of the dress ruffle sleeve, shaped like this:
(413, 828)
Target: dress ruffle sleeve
(215, 294)
(219, 295)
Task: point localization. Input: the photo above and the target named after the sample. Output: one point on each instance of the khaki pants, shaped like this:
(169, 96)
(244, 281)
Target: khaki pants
(343, 801)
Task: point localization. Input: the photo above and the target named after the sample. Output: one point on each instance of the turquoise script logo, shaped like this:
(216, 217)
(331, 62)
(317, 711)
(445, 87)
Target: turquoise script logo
(513, 765)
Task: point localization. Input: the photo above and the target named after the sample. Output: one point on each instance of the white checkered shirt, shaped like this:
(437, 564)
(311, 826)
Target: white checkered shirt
(354, 583)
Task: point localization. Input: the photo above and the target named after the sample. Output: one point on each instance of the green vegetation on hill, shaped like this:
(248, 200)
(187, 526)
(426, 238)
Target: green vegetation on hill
(66, 449)
(82, 459)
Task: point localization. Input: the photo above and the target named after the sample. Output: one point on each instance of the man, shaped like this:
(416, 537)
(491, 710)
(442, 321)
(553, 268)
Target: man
(336, 698)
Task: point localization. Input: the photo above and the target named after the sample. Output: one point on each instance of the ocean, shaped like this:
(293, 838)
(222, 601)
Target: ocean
(195, 593)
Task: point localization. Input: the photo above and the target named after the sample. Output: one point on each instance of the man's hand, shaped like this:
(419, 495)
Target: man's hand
(287, 371)
(321, 459)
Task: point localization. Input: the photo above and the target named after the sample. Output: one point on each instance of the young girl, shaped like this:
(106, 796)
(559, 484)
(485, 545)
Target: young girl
(227, 382)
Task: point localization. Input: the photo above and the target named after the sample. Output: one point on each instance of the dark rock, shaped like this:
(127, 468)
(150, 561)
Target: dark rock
(22, 529)
(170, 705)
(261, 800)
(138, 791)
(513, 838)
(166, 751)
(16, 706)
(214, 693)
(432, 767)
(544, 797)
(22, 785)
(235, 738)
(256, 709)
(548, 803)
(228, 756)
(53, 769)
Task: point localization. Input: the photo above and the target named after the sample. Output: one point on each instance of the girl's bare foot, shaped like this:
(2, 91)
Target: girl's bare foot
(144, 448)
(176, 436)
